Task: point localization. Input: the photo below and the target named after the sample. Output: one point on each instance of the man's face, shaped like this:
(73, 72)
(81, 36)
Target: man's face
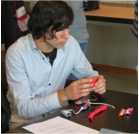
(60, 39)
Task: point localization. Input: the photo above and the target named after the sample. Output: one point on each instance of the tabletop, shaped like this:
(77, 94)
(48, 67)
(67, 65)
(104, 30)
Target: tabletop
(108, 13)
(108, 119)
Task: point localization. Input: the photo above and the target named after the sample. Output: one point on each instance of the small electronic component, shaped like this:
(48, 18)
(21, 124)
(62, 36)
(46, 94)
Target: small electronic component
(82, 102)
(122, 112)
(66, 113)
(126, 111)
(129, 111)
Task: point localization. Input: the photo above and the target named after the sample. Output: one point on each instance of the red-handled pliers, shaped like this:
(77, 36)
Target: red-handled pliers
(98, 110)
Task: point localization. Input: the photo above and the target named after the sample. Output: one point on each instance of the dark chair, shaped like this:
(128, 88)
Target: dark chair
(5, 107)
(4, 83)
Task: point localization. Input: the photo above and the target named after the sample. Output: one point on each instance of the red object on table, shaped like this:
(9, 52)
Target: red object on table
(97, 111)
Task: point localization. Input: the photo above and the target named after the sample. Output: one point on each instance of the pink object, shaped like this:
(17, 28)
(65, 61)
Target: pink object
(126, 111)
(129, 111)
(94, 83)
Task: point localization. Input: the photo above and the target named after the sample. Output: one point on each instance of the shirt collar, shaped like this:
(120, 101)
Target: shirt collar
(33, 45)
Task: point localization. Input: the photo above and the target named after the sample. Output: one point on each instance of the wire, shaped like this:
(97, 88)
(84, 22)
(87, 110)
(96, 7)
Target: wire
(82, 108)
(96, 103)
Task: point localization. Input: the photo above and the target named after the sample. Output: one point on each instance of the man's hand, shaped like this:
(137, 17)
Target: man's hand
(100, 86)
(82, 87)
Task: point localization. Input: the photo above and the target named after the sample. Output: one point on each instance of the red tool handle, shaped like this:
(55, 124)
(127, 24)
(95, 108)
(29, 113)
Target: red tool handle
(98, 110)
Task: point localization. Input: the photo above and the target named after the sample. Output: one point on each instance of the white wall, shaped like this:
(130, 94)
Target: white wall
(129, 3)
(112, 45)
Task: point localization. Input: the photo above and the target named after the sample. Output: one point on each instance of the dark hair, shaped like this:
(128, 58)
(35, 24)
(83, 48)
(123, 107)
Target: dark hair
(49, 16)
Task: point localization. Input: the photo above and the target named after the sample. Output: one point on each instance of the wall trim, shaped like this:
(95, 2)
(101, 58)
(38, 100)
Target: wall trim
(114, 69)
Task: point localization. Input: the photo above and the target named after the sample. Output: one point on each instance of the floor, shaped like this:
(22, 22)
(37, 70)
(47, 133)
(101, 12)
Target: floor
(121, 82)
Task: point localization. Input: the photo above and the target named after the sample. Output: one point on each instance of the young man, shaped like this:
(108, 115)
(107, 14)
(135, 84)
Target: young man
(38, 64)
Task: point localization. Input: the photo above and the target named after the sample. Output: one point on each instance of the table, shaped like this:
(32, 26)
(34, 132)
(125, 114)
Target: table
(114, 14)
(108, 28)
(108, 119)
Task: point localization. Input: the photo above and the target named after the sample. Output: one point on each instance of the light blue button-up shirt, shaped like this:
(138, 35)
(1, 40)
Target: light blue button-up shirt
(33, 82)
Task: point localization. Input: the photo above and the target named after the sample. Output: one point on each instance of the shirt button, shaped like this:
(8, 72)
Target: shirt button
(49, 84)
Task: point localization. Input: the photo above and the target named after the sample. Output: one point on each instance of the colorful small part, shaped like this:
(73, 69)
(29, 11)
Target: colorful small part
(80, 102)
(126, 111)
(122, 112)
(87, 101)
(129, 111)
(85, 106)
(98, 110)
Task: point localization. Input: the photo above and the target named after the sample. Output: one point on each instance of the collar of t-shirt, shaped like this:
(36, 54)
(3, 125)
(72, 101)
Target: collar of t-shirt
(51, 56)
